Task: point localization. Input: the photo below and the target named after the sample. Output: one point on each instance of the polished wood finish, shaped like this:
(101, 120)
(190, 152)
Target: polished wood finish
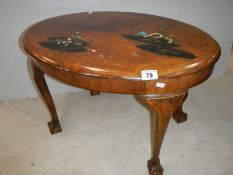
(38, 75)
(106, 52)
(165, 108)
(179, 115)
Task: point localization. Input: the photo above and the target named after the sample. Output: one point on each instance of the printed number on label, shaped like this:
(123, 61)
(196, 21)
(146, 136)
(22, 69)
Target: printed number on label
(149, 75)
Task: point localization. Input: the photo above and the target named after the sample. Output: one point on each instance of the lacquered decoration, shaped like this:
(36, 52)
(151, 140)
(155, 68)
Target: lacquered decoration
(113, 64)
(160, 44)
(75, 43)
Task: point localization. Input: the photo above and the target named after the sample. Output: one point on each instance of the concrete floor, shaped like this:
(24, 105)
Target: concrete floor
(109, 135)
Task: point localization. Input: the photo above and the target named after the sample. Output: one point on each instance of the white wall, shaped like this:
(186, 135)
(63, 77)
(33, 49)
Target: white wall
(213, 16)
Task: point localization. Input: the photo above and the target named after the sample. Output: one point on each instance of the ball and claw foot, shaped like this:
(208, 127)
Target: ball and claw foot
(54, 127)
(179, 116)
(154, 170)
(93, 93)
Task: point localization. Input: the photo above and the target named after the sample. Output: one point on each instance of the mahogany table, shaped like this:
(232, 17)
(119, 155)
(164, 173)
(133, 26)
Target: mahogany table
(155, 58)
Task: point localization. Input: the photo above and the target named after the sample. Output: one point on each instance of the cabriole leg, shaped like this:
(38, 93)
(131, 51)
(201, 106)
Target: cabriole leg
(38, 75)
(179, 115)
(164, 107)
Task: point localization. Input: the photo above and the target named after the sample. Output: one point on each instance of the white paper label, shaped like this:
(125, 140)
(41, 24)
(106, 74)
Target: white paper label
(160, 85)
(149, 74)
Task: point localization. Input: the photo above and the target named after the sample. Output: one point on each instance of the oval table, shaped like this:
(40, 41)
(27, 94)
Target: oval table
(155, 58)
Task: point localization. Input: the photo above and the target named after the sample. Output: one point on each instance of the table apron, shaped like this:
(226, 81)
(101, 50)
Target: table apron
(172, 85)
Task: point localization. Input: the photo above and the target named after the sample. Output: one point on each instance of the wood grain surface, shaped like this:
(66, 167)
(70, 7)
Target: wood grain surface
(107, 51)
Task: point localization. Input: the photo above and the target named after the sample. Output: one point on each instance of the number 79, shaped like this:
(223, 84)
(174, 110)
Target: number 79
(149, 75)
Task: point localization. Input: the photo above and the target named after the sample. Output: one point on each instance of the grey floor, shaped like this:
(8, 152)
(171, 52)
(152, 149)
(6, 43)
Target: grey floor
(109, 135)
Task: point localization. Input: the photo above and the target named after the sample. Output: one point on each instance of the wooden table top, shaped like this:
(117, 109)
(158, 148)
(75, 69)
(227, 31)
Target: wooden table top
(109, 52)
(120, 44)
